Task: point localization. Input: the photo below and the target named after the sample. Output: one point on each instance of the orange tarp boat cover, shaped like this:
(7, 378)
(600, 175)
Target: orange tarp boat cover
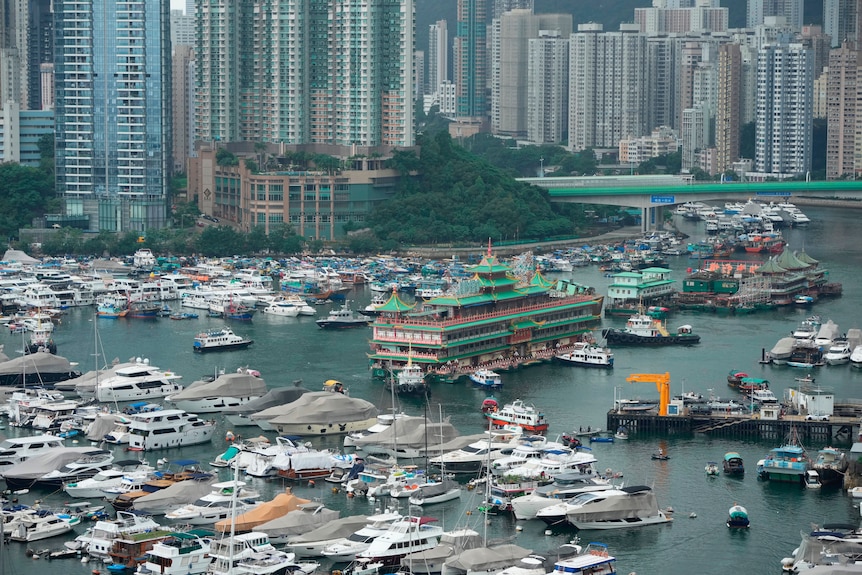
(283, 504)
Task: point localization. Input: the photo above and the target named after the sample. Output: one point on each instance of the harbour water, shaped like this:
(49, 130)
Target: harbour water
(697, 541)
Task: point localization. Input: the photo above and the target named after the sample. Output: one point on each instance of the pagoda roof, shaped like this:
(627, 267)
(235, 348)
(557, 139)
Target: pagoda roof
(771, 267)
(395, 304)
(539, 280)
(788, 260)
(489, 264)
(480, 298)
(806, 259)
(491, 281)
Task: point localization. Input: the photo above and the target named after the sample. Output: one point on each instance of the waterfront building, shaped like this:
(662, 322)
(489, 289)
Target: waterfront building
(760, 10)
(547, 88)
(493, 319)
(20, 132)
(113, 111)
(783, 132)
(607, 86)
(305, 72)
(842, 93)
(315, 203)
(509, 87)
(438, 55)
(728, 106)
(470, 60)
(630, 289)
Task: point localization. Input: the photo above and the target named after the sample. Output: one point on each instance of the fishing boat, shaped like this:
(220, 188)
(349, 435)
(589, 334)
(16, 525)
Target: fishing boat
(586, 354)
(733, 464)
(812, 480)
(737, 517)
(521, 414)
(712, 468)
(486, 378)
(787, 463)
(830, 464)
(642, 329)
(220, 340)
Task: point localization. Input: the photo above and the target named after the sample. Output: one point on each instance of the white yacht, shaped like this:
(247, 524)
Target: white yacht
(181, 553)
(856, 356)
(136, 382)
(95, 486)
(168, 428)
(17, 449)
(838, 353)
(216, 506)
(226, 390)
(479, 454)
(250, 553)
(37, 527)
(564, 488)
(312, 543)
(359, 541)
(98, 541)
(555, 462)
(407, 535)
(610, 509)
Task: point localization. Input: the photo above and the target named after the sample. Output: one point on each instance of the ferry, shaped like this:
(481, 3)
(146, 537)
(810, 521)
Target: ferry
(587, 355)
(495, 320)
(167, 428)
(520, 414)
(219, 340)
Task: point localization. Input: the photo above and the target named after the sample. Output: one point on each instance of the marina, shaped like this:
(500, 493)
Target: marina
(569, 398)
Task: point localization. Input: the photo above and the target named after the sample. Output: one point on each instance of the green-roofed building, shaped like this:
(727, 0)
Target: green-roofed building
(630, 289)
(492, 319)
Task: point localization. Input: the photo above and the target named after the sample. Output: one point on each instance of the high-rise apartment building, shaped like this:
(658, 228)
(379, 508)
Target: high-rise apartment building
(760, 10)
(729, 100)
(438, 55)
(511, 37)
(113, 109)
(305, 72)
(707, 15)
(785, 76)
(470, 59)
(607, 86)
(182, 84)
(418, 74)
(839, 20)
(842, 112)
(694, 135)
(547, 87)
(182, 28)
(820, 44)
(26, 42)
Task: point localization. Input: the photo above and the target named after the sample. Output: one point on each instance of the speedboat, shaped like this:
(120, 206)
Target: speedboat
(474, 457)
(106, 479)
(343, 318)
(136, 382)
(216, 505)
(486, 378)
(812, 480)
(838, 353)
(359, 541)
(712, 468)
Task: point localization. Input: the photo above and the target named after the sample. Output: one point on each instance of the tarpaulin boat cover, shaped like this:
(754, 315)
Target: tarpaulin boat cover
(278, 396)
(103, 425)
(40, 362)
(415, 432)
(302, 461)
(172, 496)
(19, 256)
(283, 504)
(319, 407)
(487, 558)
(39, 465)
(335, 529)
(225, 385)
(308, 517)
(87, 382)
(451, 542)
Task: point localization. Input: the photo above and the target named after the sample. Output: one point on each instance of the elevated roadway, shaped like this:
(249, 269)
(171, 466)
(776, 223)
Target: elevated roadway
(652, 194)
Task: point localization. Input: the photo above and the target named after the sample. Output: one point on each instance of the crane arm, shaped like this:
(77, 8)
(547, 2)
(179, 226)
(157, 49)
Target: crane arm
(662, 383)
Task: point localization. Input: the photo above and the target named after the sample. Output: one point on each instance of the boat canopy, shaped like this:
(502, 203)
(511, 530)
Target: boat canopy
(487, 558)
(319, 406)
(36, 363)
(103, 425)
(272, 398)
(281, 505)
(39, 465)
(415, 432)
(299, 521)
(179, 493)
(225, 385)
(335, 529)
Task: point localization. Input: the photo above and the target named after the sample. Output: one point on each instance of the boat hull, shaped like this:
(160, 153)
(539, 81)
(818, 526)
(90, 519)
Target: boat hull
(620, 337)
(322, 428)
(225, 347)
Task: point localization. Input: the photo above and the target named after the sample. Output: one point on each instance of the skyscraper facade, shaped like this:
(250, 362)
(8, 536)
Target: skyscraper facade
(607, 86)
(790, 10)
(438, 55)
(839, 20)
(547, 87)
(784, 110)
(842, 112)
(113, 109)
(469, 51)
(727, 110)
(305, 71)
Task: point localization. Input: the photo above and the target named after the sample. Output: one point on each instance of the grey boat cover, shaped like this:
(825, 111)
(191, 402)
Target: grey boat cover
(40, 362)
(828, 330)
(18, 256)
(103, 425)
(335, 529)
(415, 432)
(309, 516)
(635, 502)
(225, 385)
(451, 542)
(319, 407)
(487, 558)
(39, 465)
(277, 396)
(783, 346)
(87, 382)
(180, 493)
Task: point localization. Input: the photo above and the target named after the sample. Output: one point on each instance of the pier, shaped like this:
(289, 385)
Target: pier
(736, 426)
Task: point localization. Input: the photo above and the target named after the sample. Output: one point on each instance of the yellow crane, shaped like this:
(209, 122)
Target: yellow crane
(662, 383)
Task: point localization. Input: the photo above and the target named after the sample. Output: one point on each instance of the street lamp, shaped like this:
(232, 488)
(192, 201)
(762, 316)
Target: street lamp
(541, 167)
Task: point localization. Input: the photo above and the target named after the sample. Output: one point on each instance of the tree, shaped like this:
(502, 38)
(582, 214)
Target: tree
(225, 158)
(25, 193)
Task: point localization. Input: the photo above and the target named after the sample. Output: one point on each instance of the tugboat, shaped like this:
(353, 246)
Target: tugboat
(642, 329)
(220, 340)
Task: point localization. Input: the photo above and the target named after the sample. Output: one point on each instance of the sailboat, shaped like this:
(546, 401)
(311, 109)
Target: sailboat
(440, 491)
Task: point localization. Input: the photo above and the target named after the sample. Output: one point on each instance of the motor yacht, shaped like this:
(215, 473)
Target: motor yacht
(136, 382)
(407, 535)
(168, 428)
(226, 390)
(838, 353)
(216, 506)
(95, 486)
(479, 454)
(360, 540)
(610, 509)
(17, 449)
(86, 466)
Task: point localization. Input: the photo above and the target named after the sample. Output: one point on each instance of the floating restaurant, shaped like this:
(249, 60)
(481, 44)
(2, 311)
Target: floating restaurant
(498, 319)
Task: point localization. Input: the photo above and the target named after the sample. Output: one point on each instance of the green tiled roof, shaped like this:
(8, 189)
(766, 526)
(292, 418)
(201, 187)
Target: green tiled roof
(539, 280)
(527, 323)
(486, 281)
(477, 299)
(489, 264)
(395, 304)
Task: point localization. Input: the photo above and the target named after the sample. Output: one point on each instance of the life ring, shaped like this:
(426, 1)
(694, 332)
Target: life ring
(402, 388)
(410, 388)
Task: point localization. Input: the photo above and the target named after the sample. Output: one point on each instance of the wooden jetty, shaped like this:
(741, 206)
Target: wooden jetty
(735, 426)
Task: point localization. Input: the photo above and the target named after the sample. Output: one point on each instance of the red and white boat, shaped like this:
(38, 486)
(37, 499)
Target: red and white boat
(520, 414)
